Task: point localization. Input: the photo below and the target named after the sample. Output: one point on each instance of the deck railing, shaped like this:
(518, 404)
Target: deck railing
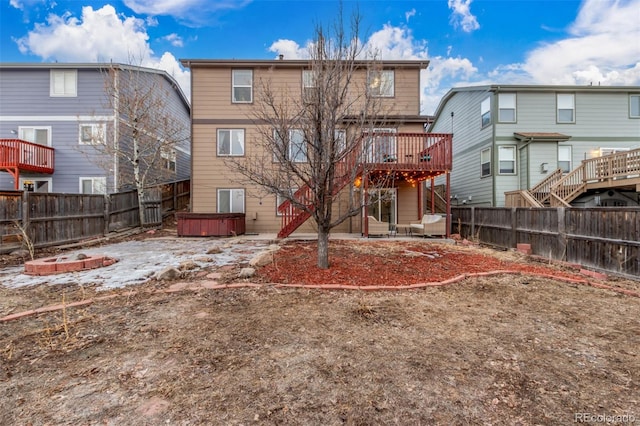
(26, 156)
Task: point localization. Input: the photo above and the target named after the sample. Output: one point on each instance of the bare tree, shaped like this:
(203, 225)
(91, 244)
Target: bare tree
(312, 148)
(146, 131)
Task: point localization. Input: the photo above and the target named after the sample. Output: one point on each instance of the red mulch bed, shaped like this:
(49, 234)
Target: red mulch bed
(368, 263)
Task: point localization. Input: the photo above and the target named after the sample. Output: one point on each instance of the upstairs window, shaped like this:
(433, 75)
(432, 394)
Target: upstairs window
(169, 158)
(230, 142)
(381, 83)
(309, 84)
(634, 106)
(564, 158)
(485, 112)
(485, 162)
(295, 147)
(507, 107)
(566, 108)
(507, 160)
(242, 86)
(230, 200)
(39, 135)
(92, 134)
(63, 83)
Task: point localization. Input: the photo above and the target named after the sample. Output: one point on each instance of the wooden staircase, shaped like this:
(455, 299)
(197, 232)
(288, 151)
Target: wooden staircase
(617, 170)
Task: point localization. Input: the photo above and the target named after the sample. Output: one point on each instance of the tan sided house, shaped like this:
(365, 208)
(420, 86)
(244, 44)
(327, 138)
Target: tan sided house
(225, 95)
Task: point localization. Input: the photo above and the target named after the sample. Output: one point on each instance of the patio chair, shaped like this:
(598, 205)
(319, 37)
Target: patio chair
(431, 224)
(376, 227)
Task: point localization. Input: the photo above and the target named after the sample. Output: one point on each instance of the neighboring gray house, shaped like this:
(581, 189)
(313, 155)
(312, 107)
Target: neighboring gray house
(52, 115)
(533, 139)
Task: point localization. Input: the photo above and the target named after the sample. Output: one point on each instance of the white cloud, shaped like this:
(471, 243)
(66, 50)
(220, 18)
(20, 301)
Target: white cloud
(99, 36)
(289, 49)
(410, 14)
(395, 43)
(462, 16)
(174, 39)
(190, 12)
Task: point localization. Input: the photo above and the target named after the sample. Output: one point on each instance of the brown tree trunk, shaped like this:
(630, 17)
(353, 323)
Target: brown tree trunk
(323, 248)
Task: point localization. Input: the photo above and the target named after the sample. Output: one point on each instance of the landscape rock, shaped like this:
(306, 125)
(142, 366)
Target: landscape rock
(188, 265)
(167, 274)
(214, 250)
(246, 272)
(19, 253)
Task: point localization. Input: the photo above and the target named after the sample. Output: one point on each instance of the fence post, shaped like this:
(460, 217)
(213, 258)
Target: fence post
(25, 212)
(473, 222)
(562, 233)
(175, 196)
(107, 210)
(514, 227)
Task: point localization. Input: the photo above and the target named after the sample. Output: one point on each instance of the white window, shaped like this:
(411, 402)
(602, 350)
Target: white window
(634, 106)
(169, 158)
(93, 185)
(507, 107)
(381, 83)
(92, 134)
(507, 160)
(230, 142)
(295, 148)
(564, 158)
(485, 162)
(566, 108)
(309, 84)
(63, 83)
(39, 135)
(242, 86)
(280, 199)
(230, 200)
(485, 112)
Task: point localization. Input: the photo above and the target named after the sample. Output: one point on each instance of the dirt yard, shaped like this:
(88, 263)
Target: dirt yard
(507, 349)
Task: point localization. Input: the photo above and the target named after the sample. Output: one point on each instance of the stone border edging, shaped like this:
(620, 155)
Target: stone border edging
(179, 287)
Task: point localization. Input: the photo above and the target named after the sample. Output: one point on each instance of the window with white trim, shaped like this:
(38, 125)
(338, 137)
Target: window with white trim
(39, 135)
(485, 112)
(168, 158)
(230, 200)
(485, 162)
(242, 86)
(280, 199)
(381, 83)
(309, 84)
(63, 83)
(92, 133)
(564, 158)
(634, 106)
(230, 142)
(295, 146)
(507, 107)
(93, 185)
(507, 160)
(566, 108)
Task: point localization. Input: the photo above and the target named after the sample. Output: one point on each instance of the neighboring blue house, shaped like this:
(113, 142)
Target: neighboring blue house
(51, 116)
(525, 145)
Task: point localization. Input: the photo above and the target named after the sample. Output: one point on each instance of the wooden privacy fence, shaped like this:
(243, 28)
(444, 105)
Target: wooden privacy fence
(601, 238)
(53, 219)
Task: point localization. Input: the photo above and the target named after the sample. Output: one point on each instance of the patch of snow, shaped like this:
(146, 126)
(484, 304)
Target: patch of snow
(138, 261)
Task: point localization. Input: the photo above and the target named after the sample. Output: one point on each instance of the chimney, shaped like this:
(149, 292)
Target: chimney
(281, 56)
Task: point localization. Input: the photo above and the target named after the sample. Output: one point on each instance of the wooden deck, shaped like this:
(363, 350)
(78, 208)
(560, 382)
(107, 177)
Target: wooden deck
(17, 155)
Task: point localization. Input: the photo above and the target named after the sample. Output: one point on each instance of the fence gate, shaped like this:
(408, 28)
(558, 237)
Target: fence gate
(152, 206)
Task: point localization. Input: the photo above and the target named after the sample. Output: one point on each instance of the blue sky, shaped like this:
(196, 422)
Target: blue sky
(468, 42)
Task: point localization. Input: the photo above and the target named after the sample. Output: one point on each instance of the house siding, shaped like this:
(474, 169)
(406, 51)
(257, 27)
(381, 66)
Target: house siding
(601, 120)
(26, 102)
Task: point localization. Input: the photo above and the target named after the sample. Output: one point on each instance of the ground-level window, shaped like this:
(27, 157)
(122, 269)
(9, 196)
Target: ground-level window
(507, 160)
(230, 200)
(564, 158)
(169, 158)
(36, 185)
(93, 185)
(485, 162)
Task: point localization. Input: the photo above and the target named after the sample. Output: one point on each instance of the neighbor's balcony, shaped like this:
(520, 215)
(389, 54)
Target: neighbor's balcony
(22, 156)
